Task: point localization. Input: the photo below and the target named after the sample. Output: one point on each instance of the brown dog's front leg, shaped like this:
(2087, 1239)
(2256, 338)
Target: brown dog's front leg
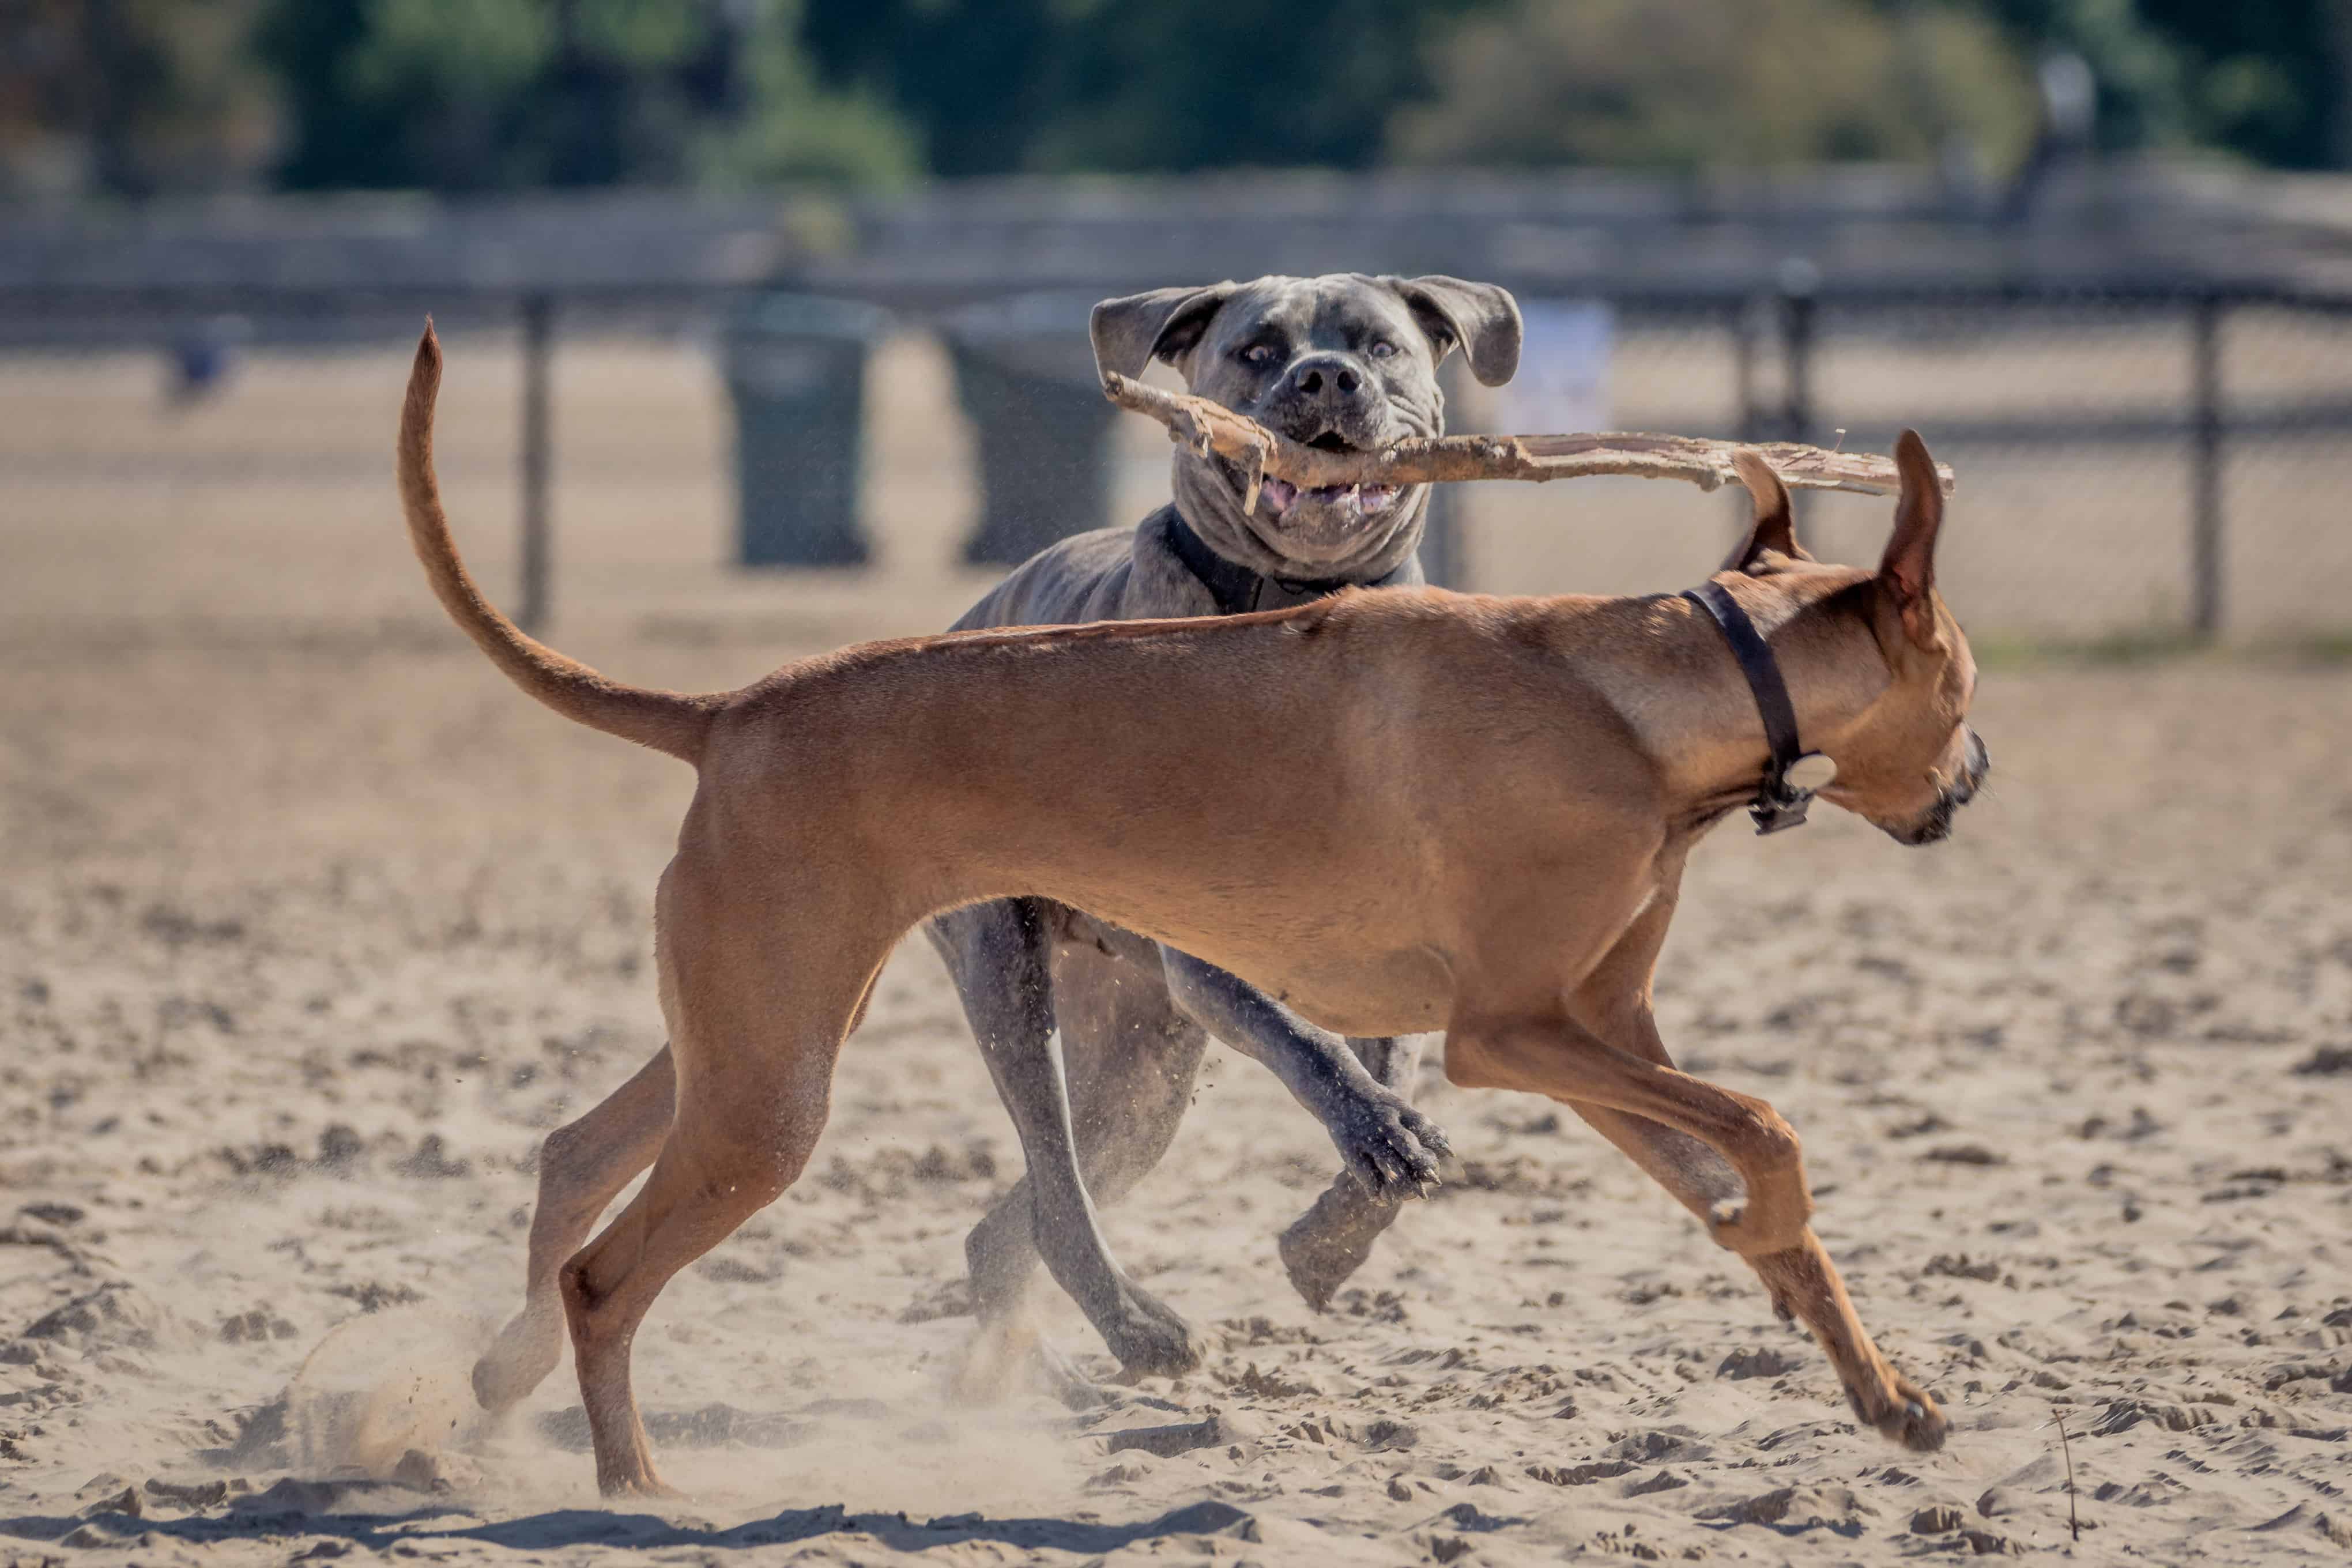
(1568, 1063)
(1706, 1177)
(1802, 1281)
(1805, 1282)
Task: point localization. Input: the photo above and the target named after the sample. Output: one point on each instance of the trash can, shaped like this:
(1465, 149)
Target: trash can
(796, 374)
(1025, 370)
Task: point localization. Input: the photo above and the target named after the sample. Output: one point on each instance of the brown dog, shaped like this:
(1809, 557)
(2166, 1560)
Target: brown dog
(1535, 770)
(1092, 1035)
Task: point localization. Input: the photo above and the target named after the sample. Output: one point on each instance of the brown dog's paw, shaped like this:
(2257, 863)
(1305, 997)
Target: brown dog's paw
(641, 1483)
(518, 1361)
(1907, 1414)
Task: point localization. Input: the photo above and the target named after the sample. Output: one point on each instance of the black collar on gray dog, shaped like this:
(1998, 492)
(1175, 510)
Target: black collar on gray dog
(1794, 775)
(1238, 590)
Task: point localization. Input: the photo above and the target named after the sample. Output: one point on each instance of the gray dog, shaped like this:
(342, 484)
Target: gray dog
(1343, 362)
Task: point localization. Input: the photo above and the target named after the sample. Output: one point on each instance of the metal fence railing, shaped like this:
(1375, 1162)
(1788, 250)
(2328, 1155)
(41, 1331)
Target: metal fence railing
(2137, 461)
(2141, 460)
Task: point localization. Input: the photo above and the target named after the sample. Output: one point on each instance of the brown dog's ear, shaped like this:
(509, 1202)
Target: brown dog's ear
(1907, 572)
(1479, 318)
(1130, 333)
(1775, 527)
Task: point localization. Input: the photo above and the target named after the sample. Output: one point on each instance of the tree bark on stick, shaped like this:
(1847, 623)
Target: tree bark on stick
(1207, 427)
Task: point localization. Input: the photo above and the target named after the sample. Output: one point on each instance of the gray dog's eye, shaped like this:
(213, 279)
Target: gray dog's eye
(1258, 354)
(1382, 348)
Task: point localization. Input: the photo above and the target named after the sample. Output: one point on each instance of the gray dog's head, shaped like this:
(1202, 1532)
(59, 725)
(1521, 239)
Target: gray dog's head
(1343, 362)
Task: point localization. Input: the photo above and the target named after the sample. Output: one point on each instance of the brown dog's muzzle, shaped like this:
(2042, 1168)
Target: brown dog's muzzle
(1936, 825)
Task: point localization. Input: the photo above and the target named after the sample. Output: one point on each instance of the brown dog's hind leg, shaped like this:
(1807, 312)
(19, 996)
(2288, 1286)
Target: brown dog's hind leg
(582, 1166)
(758, 1003)
(732, 1151)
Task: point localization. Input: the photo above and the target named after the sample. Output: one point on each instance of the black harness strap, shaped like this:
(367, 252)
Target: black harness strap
(1780, 803)
(1238, 590)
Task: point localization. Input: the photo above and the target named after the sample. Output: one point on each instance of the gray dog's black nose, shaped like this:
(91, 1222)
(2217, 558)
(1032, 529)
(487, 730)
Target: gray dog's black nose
(1325, 376)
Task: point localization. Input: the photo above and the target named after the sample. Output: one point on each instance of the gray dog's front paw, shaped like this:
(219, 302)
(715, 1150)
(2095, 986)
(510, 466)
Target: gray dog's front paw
(1389, 1147)
(1148, 1338)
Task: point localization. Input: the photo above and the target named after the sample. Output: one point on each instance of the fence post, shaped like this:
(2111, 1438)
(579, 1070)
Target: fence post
(1798, 280)
(1743, 369)
(1745, 322)
(1797, 349)
(537, 348)
(2205, 466)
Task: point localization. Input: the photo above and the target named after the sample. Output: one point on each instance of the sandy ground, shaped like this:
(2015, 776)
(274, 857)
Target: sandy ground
(311, 928)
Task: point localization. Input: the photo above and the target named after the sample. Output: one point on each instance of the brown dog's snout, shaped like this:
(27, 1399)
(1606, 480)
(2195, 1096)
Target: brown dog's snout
(1976, 761)
(1936, 825)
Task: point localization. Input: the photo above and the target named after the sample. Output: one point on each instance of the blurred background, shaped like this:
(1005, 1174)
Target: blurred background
(767, 318)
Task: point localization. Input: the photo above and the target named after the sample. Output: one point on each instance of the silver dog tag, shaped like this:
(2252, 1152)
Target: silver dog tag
(1811, 773)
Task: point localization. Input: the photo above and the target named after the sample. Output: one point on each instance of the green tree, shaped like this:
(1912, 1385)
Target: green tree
(1000, 86)
(797, 129)
(499, 94)
(1219, 83)
(2270, 81)
(132, 97)
(1683, 84)
(977, 78)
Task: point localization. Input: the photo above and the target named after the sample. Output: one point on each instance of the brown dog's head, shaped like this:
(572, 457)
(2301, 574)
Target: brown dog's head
(1906, 760)
(1342, 361)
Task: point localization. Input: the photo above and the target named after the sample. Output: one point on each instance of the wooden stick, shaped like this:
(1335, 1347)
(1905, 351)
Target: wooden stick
(1207, 427)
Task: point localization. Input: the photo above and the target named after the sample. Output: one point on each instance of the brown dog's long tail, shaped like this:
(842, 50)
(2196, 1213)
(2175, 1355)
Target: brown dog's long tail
(668, 721)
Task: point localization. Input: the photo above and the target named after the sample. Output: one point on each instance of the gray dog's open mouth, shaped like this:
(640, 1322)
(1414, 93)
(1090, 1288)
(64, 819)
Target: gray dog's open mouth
(1279, 496)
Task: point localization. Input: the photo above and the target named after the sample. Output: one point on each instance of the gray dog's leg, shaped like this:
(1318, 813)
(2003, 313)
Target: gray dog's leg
(1330, 1241)
(1386, 1145)
(997, 954)
(1133, 1044)
(1131, 1058)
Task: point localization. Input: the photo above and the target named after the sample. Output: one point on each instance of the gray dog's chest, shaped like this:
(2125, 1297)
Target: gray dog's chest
(1137, 575)
(1238, 591)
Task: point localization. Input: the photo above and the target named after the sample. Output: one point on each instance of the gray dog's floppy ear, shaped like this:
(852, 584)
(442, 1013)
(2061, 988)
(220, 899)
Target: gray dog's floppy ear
(1775, 527)
(1129, 332)
(1480, 319)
